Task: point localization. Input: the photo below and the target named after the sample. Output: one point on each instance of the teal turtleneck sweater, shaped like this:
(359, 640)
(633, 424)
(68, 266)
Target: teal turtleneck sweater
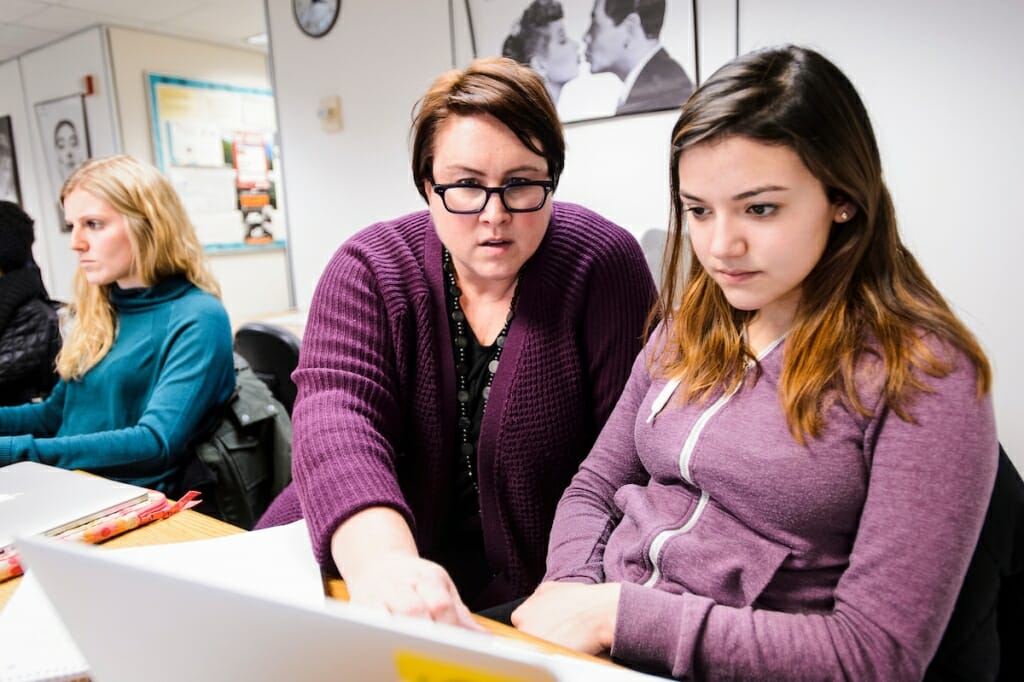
(133, 415)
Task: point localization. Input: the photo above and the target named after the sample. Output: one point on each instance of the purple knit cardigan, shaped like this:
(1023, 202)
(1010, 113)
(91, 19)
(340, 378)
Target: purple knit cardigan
(374, 421)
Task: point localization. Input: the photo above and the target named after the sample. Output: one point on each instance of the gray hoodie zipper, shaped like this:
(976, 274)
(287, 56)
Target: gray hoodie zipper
(689, 445)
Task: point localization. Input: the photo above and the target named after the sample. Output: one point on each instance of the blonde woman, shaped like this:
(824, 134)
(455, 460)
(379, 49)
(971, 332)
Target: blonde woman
(148, 353)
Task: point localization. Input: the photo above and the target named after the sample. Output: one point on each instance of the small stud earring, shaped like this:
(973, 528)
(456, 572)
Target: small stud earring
(844, 216)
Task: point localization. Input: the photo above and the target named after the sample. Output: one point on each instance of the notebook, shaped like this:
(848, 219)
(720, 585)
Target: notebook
(37, 499)
(133, 622)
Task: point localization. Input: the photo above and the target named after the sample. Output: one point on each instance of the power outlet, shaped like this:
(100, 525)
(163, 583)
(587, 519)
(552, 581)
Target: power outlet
(329, 114)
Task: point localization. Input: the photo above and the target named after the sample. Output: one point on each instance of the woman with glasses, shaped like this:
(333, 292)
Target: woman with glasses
(458, 362)
(793, 482)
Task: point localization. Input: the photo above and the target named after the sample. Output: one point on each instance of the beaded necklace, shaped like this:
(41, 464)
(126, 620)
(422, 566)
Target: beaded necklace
(460, 341)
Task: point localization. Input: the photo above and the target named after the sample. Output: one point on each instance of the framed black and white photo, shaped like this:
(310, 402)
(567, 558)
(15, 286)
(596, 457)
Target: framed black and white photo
(598, 58)
(10, 189)
(64, 136)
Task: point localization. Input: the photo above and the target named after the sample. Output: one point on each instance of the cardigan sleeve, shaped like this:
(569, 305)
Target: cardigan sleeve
(587, 514)
(346, 422)
(620, 294)
(197, 374)
(928, 489)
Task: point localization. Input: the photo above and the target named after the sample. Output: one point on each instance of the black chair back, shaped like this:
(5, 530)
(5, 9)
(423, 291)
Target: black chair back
(273, 354)
(984, 639)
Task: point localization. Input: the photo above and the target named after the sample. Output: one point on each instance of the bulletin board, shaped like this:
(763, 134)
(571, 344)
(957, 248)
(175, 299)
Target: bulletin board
(216, 143)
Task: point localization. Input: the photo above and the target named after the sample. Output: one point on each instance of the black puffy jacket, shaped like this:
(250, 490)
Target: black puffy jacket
(29, 339)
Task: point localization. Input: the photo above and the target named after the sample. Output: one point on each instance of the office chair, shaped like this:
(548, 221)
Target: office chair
(984, 635)
(273, 353)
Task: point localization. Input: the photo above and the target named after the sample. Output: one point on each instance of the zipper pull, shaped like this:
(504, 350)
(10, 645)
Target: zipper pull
(659, 403)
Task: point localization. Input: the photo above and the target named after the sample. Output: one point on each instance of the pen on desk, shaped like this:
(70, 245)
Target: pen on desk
(118, 522)
(153, 509)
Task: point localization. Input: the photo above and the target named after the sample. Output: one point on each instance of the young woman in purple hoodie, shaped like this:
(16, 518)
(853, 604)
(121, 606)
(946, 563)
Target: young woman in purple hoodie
(793, 481)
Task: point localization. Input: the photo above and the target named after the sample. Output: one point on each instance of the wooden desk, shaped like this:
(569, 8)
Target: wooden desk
(191, 525)
(335, 588)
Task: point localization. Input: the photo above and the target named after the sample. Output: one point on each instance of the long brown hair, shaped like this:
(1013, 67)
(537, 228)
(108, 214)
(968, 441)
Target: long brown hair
(867, 291)
(163, 244)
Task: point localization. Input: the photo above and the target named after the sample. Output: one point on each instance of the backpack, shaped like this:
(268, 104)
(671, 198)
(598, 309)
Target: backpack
(244, 460)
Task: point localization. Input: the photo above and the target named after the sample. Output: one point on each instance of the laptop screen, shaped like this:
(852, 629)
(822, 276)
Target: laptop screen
(132, 623)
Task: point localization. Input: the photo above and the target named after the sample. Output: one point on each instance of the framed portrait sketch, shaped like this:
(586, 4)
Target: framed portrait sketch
(10, 190)
(598, 58)
(64, 136)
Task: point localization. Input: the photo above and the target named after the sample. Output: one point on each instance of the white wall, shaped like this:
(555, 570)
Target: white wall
(378, 58)
(940, 78)
(55, 71)
(13, 104)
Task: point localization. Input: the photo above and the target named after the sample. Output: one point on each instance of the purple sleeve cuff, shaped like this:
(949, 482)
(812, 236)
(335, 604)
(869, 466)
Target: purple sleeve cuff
(659, 631)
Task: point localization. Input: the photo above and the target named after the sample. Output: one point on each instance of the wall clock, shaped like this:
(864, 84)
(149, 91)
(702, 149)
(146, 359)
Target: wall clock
(316, 17)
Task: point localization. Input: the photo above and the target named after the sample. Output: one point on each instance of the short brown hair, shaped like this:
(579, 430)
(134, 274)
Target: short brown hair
(500, 87)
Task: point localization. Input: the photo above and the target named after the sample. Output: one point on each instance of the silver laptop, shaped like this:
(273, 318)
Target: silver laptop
(36, 499)
(137, 623)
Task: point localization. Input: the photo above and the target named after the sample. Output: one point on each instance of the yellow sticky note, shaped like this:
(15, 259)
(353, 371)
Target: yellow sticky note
(415, 667)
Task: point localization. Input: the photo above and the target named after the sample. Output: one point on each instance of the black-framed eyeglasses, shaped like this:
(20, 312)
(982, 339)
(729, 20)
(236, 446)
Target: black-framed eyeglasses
(517, 197)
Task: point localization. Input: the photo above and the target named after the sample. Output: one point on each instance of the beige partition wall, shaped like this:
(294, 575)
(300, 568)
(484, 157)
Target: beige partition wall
(255, 280)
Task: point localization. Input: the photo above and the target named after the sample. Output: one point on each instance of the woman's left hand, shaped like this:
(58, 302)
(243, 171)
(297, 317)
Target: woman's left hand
(578, 616)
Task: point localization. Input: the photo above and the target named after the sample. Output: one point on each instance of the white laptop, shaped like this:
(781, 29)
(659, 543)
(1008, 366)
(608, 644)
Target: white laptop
(36, 499)
(134, 622)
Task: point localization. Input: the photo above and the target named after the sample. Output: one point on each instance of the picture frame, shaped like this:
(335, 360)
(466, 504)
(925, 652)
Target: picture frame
(637, 65)
(10, 186)
(64, 138)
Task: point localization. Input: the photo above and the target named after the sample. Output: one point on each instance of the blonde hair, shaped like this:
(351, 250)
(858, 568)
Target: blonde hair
(163, 244)
(867, 290)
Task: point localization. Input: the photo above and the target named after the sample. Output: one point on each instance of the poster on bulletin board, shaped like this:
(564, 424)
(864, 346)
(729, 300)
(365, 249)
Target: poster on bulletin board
(216, 143)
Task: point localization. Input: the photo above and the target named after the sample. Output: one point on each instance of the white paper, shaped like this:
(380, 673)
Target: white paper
(33, 642)
(274, 562)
